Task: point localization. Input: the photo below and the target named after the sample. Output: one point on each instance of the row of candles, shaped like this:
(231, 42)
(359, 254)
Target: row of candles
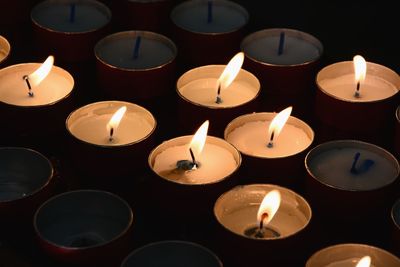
(108, 132)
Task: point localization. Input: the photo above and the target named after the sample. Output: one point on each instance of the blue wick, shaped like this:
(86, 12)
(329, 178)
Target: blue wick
(364, 166)
(281, 43)
(72, 13)
(353, 166)
(137, 47)
(209, 11)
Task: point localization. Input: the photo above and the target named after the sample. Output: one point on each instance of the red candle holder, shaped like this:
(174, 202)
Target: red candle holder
(85, 228)
(69, 29)
(286, 62)
(5, 50)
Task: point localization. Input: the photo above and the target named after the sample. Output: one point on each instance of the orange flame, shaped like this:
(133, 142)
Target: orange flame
(199, 139)
(269, 206)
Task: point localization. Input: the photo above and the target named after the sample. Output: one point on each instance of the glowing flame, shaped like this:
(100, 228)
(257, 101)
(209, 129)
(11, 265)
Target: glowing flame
(278, 122)
(199, 139)
(360, 68)
(41, 73)
(269, 206)
(231, 71)
(113, 124)
(364, 262)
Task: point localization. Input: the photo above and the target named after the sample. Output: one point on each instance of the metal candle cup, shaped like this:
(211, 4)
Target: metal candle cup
(5, 50)
(172, 253)
(85, 228)
(67, 39)
(349, 254)
(236, 212)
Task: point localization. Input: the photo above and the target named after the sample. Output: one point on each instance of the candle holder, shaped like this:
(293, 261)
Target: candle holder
(395, 222)
(236, 214)
(397, 133)
(5, 50)
(286, 62)
(369, 117)
(84, 228)
(100, 153)
(198, 84)
(69, 29)
(27, 178)
(263, 164)
(172, 253)
(207, 32)
(349, 254)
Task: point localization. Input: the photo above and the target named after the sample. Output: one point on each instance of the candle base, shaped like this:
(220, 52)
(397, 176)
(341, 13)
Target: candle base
(265, 232)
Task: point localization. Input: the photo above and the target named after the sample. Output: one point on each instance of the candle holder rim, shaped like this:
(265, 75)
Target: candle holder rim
(252, 35)
(392, 213)
(240, 7)
(216, 107)
(115, 196)
(315, 148)
(146, 33)
(398, 114)
(70, 77)
(152, 156)
(8, 48)
(112, 146)
(274, 186)
(48, 180)
(104, 7)
(355, 101)
(269, 158)
(172, 241)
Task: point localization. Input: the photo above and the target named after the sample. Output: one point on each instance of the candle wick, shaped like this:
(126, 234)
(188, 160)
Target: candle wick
(357, 92)
(111, 134)
(353, 166)
(209, 11)
(271, 140)
(193, 158)
(218, 99)
(263, 217)
(281, 43)
(72, 13)
(26, 78)
(137, 47)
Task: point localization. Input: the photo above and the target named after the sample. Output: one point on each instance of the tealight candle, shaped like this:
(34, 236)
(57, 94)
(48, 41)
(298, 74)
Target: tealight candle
(218, 92)
(208, 32)
(286, 62)
(69, 29)
(5, 50)
(267, 143)
(363, 103)
(240, 213)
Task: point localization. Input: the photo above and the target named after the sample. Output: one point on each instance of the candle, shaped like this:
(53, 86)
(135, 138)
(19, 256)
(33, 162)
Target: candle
(5, 49)
(363, 262)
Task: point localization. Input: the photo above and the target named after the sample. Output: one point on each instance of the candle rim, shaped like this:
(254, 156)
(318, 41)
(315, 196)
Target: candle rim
(396, 206)
(6, 47)
(264, 186)
(319, 149)
(263, 116)
(133, 33)
(185, 139)
(45, 184)
(119, 103)
(230, 3)
(398, 114)
(81, 191)
(276, 31)
(102, 7)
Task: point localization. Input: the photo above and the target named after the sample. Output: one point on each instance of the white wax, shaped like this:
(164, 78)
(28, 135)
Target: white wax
(252, 138)
(216, 163)
(55, 15)
(350, 262)
(92, 129)
(14, 90)
(333, 167)
(118, 52)
(192, 15)
(372, 89)
(203, 91)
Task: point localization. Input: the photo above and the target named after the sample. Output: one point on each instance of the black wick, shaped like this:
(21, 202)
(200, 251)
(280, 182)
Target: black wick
(26, 78)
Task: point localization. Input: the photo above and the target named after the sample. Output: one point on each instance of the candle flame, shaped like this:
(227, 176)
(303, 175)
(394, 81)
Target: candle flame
(269, 206)
(199, 139)
(36, 77)
(231, 71)
(364, 262)
(278, 122)
(116, 119)
(360, 68)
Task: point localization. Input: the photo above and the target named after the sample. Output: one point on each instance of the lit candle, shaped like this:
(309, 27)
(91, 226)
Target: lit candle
(5, 49)
(354, 262)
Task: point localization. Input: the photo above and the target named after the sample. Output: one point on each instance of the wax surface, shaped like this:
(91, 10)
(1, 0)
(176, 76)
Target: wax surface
(204, 91)
(119, 53)
(3, 54)
(13, 89)
(56, 16)
(194, 18)
(92, 129)
(296, 50)
(252, 138)
(333, 167)
(351, 262)
(216, 164)
(373, 88)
